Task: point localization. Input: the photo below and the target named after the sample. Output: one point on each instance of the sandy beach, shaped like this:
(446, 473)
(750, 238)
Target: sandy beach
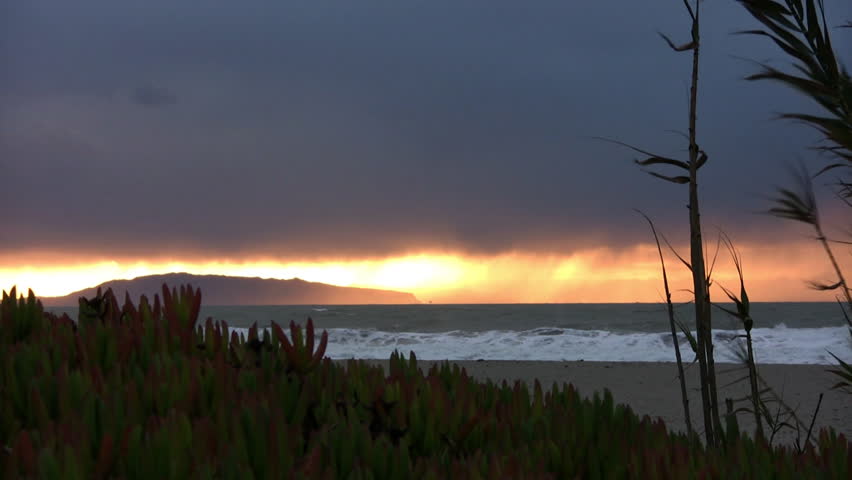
(653, 389)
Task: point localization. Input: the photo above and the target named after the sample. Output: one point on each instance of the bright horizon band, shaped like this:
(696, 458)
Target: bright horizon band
(591, 276)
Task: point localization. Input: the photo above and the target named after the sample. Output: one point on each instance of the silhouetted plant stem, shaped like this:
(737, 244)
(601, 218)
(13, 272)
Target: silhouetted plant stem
(755, 394)
(743, 307)
(712, 423)
(813, 419)
(670, 309)
(701, 281)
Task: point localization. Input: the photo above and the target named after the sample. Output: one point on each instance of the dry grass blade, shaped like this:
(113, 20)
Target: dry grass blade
(730, 295)
(715, 256)
(690, 10)
(689, 337)
(678, 179)
(845, 190)
(787, 42)
(791, 206)
(661, 161)
(666, 240)
(675, 342)
(702, 159)
(845, 314)
(800, 204)
(678, 48)
(741, 302)
(734, 382)
(743, 314)
(835, 131)
(679, 133)
(824, 286)
(653, 159)
(844, 371)
(813, 420)
(801, 31)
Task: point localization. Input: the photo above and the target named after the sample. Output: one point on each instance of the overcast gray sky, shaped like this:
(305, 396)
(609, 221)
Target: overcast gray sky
(371, 128)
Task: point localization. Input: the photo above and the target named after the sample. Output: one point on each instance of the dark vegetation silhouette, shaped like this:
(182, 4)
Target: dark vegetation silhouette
(687, 174)
(800, 29)
(144, 390)
(674, 324)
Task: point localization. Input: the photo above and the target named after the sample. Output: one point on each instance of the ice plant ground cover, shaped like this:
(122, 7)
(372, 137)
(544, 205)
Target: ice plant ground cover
(145, 391)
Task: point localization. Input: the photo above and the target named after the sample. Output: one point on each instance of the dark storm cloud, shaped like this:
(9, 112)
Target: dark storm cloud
(151, 96)
(352, 128)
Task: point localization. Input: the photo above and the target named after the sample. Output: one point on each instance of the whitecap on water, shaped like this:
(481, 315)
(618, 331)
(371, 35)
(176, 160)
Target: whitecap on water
(779, 344)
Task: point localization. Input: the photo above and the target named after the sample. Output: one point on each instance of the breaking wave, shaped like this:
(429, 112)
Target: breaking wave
(780, 345)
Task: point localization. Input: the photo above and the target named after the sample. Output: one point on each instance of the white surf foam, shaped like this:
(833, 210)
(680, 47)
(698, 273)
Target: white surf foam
(771, 345)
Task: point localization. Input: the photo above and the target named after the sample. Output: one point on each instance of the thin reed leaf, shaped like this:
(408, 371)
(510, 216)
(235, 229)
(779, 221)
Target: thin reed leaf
(799, 204)
(824, 286)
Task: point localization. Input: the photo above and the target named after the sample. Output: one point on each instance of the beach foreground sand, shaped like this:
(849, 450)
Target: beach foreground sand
(653, 389)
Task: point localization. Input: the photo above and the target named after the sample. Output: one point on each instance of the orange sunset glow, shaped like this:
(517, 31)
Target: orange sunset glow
(591, 276)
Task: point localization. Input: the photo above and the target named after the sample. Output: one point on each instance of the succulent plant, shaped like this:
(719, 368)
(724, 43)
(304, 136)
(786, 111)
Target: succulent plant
(126, 397)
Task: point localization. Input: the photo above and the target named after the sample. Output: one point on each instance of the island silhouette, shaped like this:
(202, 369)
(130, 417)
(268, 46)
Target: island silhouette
(227, 290)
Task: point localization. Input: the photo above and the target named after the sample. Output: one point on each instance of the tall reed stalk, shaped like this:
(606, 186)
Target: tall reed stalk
(700, 277)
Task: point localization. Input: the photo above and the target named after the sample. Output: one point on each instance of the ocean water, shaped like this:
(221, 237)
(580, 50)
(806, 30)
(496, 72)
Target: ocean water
(785, 333)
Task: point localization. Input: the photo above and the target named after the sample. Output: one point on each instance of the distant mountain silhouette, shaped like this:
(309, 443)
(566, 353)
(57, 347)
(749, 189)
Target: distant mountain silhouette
(224, 290)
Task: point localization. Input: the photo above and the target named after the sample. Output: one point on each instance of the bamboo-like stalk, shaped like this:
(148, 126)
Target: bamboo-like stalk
(712, 423)
(701, 281)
